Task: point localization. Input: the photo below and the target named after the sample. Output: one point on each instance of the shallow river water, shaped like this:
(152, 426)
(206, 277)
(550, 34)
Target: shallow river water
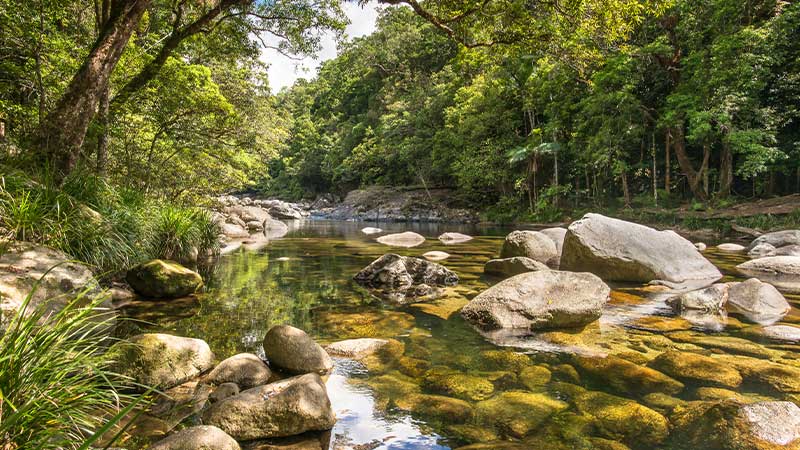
(444, 385)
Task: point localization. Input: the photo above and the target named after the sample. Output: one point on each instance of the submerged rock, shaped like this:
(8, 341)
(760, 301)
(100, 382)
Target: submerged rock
(758, 302)
(162, 360)
(783, 272)
(400, 273)
(627, 377)
(406, 239)
(536, 300)
(457, 384)
(623, 419)
(530, 244)
(454, 238)
(730, 425)
(508, 267)
(203, 437)
(450, 409)
(284, 408)
(294, 351)
(245, 369)
(777, 239)
(623, 251)
(163, 279)
(697, 368)
(518, 413)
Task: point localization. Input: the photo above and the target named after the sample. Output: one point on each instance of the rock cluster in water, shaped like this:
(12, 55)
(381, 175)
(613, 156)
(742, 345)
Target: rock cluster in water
(253, 221)
(405, 278)
(241, 399)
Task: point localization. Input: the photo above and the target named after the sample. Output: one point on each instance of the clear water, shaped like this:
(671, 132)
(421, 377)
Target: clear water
(305, 279)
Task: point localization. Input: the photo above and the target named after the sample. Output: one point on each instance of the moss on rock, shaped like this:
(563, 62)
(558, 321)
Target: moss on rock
(623, 419)
(163, 279)
(457, 384)
(517, 413)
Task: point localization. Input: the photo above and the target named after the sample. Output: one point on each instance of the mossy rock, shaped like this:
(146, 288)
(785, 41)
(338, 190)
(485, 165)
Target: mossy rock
(457, 384)
(366, 324)
(778, 377)
(449, 409)
(566, 373)
(391, 387)
(472, 433)
(506, 360)
(728, 344)
(713, 393)
(385, 358)
(413, 367)
(627, 377)
(163, 279)
(695, 368)
(161, 360)
(517, 413)
(661, 402)
(624, 420)
(534, 377)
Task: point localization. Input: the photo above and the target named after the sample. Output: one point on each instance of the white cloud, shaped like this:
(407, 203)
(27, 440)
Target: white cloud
(283, 71)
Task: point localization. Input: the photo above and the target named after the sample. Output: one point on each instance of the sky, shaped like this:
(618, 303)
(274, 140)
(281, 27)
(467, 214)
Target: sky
(283, 71)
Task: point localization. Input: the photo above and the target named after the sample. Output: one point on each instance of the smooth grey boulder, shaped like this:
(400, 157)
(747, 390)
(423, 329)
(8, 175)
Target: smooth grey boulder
(787, 250)
(623, 251)
(758, 302)
(233, 230)
(557, 234)
(274, 228)
(356, 348)
(783, 272)
(731, 248)
(530, 244)
(284, 408)
(508, 267)
(761, 250)
(777, 239)
(245, 369)
(407, 239)
(201, 437)
(539, 300)
(60, 280)
(161, 360)
(711, 299)
(283, 210)
(292, 350)
(395, 272)
(454, 238)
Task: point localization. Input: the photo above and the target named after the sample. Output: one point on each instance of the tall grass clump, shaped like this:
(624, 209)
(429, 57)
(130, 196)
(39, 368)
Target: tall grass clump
(57, 387)
(181, 234)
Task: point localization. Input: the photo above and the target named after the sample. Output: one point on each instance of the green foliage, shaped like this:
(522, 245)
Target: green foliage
(57, 387)
(180, 234)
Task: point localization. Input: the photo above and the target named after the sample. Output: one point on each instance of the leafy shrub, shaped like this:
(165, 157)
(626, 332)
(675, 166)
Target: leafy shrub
(57, 389)
(181, 234)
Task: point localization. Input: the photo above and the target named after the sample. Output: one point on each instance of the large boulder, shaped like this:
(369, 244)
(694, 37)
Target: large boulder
(283, 210)
(292, 350)
(233, 230)
(530, 244)
(783, 272)
(407, 239)
(623, 251)
(508, 267)
(730, 425)
(163, 279)
(60, 280)
(787, 250)
(274, 228)
(557, 234)
(162, 360)
(395, 272)
(285, 408)
(758, 302)
(777, 239)
(536, 300)
(200, 437)
(245, 369)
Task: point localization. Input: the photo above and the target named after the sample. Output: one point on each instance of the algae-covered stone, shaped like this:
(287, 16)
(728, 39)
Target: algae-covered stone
(731, 425)
(452, 410)
(390, 387)
(457, 384)
(375, 324)
(697, 368)
(163, 279)
(506, 360)
(284, 408)
(508, 267)
(472, 433)
(728, 344)
(201, 437)
(712, 393)
(530, 244)
(534, 377)
(623, 419)
(778, 377)
(162, 360)
(662, 402)
(627, 377)
(518, 413)
(245, 369)
(294, 351)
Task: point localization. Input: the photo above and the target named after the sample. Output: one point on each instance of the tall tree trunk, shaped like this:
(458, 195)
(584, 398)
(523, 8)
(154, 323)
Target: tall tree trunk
(102, 138)
(65, 127)
(685, 163)
(667, 162)
(725, 172)
(626, 193)
(655, 168)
